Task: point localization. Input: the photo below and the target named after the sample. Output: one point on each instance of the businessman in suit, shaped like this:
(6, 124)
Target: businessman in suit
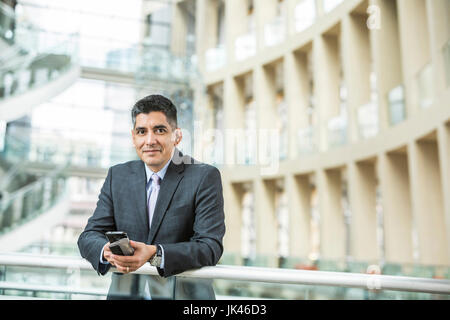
(170, 206)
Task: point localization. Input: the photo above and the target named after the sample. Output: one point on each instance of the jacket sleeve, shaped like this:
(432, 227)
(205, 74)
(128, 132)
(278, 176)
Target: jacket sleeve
(92, 239)
(205, 246)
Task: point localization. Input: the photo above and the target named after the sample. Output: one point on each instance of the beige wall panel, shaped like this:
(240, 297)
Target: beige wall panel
(439, 26)
(362, 193)
(233, 115)
(397, 210)
(233, 216)
(444, 160)
(296, 91)
(387, 55)
(427, 199)
(415, 44)
(266, 221)
(326, 77)
(264, 85)
(299, 215)
(332, 227)
(357, 67)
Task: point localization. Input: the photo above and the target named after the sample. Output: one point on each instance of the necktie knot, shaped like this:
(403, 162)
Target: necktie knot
(155, 180)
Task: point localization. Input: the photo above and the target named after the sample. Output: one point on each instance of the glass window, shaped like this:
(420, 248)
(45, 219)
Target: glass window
(305, 14)
(425, 82)
(396, 102)
(368, 120)
(329, 5)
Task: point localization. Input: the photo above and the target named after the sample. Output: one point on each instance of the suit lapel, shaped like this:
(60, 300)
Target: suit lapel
(168, 187)
(139, 194)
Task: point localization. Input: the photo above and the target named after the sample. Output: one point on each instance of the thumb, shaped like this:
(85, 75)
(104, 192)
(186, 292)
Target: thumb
(134, 244)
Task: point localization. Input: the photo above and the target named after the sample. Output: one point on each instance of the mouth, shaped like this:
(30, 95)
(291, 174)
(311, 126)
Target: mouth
(152, 151)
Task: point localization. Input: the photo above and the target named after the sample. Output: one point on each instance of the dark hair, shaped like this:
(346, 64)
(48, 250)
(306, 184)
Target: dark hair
(155, 102)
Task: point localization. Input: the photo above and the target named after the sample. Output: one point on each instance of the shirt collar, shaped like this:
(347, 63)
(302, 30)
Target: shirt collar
(161, 173)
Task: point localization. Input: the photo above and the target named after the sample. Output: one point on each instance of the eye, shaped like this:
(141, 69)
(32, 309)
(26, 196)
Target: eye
(140, 131)
(160, 130)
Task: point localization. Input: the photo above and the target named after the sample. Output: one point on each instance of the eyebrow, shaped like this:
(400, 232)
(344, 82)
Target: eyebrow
(160, 126)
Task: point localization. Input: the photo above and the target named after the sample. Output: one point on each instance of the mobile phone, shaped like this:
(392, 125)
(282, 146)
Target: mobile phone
(119, 243)
(114, 236)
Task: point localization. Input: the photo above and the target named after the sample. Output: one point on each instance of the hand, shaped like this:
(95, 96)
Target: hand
(142, 253)
(107, 254)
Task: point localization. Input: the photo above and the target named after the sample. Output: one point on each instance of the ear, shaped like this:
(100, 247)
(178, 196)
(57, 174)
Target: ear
(132, 136)
(178, 136)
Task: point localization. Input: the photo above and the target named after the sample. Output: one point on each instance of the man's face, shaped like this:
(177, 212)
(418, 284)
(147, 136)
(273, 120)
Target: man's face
(154, 139)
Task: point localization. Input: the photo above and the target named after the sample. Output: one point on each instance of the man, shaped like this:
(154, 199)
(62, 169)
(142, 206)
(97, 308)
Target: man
(170, 206)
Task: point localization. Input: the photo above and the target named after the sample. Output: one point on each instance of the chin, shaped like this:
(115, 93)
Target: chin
(149, 160)
(152, 161)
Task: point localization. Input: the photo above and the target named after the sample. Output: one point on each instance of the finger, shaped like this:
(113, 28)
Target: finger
(125, 269)
(133, 266)
(135, 244)
(110, 260)
(108, 256)
(125, 259)
(124, 264)
(121, 269)
(106, 247)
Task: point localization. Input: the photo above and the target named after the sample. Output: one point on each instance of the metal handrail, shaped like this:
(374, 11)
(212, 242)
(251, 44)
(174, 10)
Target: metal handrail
(256, 274)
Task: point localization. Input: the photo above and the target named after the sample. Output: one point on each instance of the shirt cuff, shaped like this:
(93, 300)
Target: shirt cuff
(162, 257)
(101, 257)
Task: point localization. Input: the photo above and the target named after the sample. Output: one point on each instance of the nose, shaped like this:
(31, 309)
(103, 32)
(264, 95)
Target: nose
(150, 139)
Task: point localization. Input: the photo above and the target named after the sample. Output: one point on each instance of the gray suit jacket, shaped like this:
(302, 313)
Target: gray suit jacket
(188, 222)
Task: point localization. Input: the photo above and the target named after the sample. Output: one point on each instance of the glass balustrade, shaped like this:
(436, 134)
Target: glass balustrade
(142, 60)
(32, 70)
(425, 85)
(63, 152)
(74, 282)
(368, 120)
(306, 140)
(69, 283)
(160, 63)
(40, 41)
(15, 177)
(245, 46)
(215, 58)
(396, 105)
(77, 280)
(34, 56)
(337, 131)
(275, 31)
(304, 15)
(28, 202)
(112, 54)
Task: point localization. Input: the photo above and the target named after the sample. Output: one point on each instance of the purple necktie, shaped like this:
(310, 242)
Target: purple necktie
(153, 197)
